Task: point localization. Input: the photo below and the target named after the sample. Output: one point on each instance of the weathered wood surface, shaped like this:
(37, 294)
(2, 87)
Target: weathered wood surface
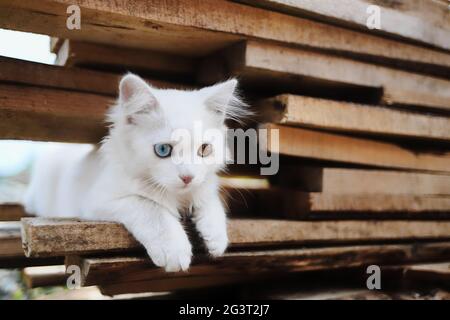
(293, 68)
(43, 102)
(201, 27)
(11, 212)
(302, 204)
(353, 118)
(423, 21)
(290, 202)
(139, 274)
(11, 251)
(85, 54)
(406, 97)
(360, 181)
(56, 237)
(319, 145)
(44, 276)
(15, 71)
(33, 113)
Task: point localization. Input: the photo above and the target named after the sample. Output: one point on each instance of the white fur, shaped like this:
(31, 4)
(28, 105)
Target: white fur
(124, 180)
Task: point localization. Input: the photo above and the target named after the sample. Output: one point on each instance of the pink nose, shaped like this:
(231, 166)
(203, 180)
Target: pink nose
(186, 179)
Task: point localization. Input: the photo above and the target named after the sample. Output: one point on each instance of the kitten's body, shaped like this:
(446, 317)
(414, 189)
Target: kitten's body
(124, 181)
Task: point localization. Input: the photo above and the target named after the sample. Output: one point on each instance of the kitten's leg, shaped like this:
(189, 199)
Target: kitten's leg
(210, 220)
(156, 228)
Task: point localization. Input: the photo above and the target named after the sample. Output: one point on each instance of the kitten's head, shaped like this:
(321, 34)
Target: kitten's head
(173, 139)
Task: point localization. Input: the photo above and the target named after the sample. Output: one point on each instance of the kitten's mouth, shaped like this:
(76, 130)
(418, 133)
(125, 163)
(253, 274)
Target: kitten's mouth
(186, 187)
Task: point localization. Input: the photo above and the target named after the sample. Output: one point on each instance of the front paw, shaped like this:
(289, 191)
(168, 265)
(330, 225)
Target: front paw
(174, 254)
(217, 244)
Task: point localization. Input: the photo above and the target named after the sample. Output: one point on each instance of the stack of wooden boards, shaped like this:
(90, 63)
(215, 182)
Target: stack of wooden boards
(363, 118)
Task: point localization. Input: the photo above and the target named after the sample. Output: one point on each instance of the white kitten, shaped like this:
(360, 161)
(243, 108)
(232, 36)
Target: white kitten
(133, 177)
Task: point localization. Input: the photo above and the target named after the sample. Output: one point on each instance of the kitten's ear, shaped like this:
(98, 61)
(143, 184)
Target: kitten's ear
(131, 85)
(223, 100)
(136, 97)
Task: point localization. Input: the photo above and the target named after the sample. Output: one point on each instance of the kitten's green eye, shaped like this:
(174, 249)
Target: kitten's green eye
(205, 150)
(163, 150)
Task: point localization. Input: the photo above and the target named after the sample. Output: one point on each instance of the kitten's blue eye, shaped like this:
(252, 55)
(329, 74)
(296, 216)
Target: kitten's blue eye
(163, 150)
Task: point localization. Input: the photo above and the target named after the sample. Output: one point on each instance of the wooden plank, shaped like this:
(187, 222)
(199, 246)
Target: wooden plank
(168, 285)
(312, 144)
(437, 273)
(44, 276)
(302, 204)
(33, 113)
(33, 105)
(11, 212)
(141, 275)
(17, 71)
(10, 241)
(56, 237)
(348, 117)
(423, 21)
(295, 68)
(85, 54)
(407, 97)
(360, 181)
(11, 252)
(290, 202)
(55, 44)
(202, 27)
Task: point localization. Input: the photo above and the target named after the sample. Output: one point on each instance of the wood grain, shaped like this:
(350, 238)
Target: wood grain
(361, 181)
(85, 54)
(15, 71)
(139, 274)
(353, 118)
(44, 276)
(52, 103)
(319, 145)
(258, 62)
(302, 204)
(56, 237)
(33, 113)
(197, 28)
(423, 21)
